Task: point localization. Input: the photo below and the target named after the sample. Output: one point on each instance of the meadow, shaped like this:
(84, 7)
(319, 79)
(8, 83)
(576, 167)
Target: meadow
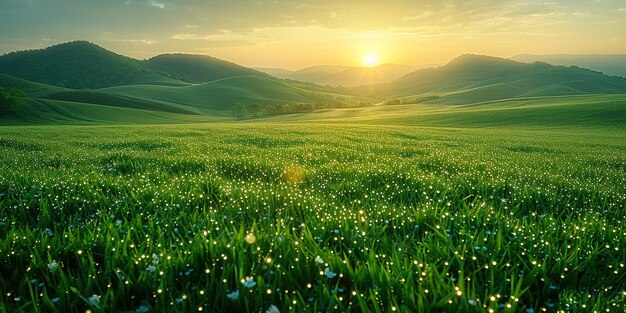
(301, 213)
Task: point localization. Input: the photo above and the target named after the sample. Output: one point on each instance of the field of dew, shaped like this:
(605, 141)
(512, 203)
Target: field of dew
(269, 218)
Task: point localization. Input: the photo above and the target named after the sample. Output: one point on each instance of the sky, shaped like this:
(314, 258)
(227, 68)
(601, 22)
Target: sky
(295, 34)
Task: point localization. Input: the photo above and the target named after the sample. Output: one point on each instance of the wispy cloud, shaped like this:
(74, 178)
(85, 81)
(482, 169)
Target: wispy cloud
(142, 41)
(159, 5)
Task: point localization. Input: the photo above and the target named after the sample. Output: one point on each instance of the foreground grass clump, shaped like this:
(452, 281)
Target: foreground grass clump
(317, 218)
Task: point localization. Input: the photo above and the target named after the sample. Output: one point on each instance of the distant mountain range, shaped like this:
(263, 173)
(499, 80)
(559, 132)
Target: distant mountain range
(609, 64)
(345, 75)
(474, 78)
(82, 82)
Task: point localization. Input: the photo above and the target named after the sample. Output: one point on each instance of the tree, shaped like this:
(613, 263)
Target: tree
(9, 100)
(239, 111)
(272, 109)
(254, 108)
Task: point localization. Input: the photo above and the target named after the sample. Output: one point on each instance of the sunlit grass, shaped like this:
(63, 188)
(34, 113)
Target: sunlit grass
(310, 218)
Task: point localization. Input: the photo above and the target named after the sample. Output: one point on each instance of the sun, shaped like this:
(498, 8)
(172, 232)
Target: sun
(370, 59)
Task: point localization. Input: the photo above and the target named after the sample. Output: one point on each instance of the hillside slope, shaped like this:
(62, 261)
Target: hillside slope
(217, 97)
(198, 68)
(473, 78)
(28, 87)
(563, 112)
(55, 112)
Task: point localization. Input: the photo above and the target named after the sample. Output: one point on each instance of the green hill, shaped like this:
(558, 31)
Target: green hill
(198, 68)
(84, 65)
(217, 97)
(55, 112)
(77, 64)
(29, 87)
(473, 78)
(212, 99)
(114, 100)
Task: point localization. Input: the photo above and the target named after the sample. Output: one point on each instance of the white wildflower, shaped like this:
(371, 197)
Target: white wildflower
(248, 282)
(272, 309)
(94, 300)
(329, 273)
(53, 266)
(233, 295)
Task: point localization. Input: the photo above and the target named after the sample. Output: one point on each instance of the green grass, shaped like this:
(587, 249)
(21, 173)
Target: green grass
(574, 113)
(55, 112)
(410, 215)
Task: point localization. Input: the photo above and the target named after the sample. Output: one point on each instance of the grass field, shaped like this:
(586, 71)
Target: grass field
(507, 206)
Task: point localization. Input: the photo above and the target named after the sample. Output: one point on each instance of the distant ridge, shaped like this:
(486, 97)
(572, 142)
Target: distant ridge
(609, 64)
(345, 75)
(473, 78)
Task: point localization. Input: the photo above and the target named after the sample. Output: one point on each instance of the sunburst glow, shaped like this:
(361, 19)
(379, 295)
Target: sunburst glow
(370, 60)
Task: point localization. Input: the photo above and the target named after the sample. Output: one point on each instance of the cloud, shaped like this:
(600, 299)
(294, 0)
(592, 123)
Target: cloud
(142, 41)
(158, 4)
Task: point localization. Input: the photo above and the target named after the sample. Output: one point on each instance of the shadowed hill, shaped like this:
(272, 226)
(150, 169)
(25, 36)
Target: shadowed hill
(198, 68)
(83, 65)
(78, 65)
(28, 87)
(474, 78)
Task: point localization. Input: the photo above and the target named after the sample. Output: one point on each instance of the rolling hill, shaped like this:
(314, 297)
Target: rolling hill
(344, 75)
(475, 78)
(84, 65)
(105, 87)
(214, 98)
(59, 79)
(79, 65)
(609, 64)
(197, 68)
(574, 113)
